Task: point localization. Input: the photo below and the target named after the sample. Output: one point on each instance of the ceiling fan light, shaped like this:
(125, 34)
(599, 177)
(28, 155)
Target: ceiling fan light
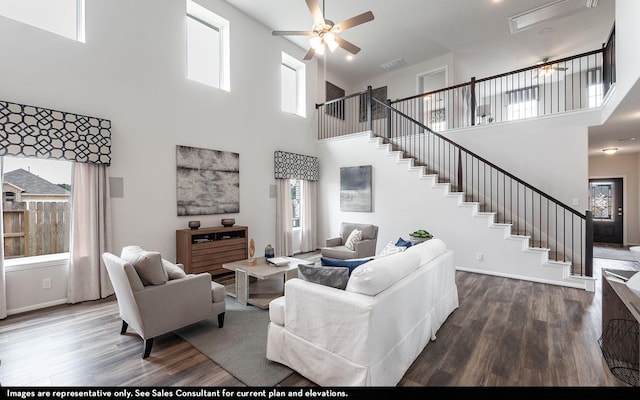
(316, 43)
(330, 39)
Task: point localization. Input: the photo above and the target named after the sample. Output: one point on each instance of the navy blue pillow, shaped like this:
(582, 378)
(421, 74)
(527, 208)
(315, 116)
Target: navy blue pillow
(403, 243)
(351, 264)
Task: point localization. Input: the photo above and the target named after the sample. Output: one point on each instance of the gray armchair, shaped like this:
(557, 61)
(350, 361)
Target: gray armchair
(335, 247)
(159, 308)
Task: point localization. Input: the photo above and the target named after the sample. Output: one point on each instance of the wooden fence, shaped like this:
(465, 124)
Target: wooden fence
(36, 228)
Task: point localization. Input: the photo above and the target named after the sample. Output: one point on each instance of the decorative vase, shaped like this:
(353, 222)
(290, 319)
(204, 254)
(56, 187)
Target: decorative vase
(227, 222)
(194, 224)
(268, 252)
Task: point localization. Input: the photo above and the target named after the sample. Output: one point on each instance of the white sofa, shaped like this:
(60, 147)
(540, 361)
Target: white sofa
(370, 333)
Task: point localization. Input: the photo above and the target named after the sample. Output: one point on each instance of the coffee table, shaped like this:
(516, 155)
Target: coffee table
(267, 283)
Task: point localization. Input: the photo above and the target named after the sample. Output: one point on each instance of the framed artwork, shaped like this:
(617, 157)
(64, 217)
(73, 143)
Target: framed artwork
(208, 181)
(334, 92)
(377, 111)
(355, 188)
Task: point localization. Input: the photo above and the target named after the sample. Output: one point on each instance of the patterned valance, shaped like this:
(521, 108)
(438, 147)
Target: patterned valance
(30, 131)
(295, 166)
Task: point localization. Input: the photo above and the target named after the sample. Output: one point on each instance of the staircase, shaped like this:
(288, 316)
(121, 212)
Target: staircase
(504, 251)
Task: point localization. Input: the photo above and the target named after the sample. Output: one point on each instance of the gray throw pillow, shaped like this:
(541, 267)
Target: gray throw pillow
(335, 277)
(173, 271)
(148, 265)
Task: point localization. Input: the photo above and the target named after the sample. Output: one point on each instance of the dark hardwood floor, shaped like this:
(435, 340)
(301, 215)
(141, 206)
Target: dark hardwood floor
(506, 333)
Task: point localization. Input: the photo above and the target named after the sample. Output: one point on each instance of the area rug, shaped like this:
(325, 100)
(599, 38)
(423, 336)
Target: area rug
(240, 346)
(613, 253)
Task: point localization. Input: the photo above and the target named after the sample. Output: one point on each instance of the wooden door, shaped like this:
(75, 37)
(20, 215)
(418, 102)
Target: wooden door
(606, 204)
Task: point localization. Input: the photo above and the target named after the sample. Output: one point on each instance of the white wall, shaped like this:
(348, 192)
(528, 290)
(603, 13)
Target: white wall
(626, 166)
(403, 82)
(627, 54)
(132, 71)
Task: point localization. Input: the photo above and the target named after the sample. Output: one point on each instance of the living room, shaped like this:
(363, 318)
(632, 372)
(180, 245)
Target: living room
(131, 70)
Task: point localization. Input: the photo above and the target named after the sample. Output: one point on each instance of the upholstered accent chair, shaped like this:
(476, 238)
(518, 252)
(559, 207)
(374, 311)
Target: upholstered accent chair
(338, 247)
(156, 300)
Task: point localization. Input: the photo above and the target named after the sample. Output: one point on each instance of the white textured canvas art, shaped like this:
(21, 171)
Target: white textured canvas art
(208, 181)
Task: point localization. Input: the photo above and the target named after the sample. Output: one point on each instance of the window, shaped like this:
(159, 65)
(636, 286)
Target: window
(601, 200)
(522, 103)
(296, 197)
(594, 79)
(36, 211)
(62, 17)
(207, 47)
(293, 84)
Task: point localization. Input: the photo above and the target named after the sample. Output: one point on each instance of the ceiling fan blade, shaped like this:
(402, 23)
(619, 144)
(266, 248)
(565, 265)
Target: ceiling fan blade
(293, 33)
(348, 46)
(353, 21)
(316, 12)
(309, 54)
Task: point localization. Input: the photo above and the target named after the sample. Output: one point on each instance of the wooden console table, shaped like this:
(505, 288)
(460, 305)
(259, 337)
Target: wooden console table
(206, 249)
(620, 342)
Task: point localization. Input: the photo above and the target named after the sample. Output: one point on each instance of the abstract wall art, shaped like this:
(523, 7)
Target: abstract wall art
(355, 189)
(208, 181)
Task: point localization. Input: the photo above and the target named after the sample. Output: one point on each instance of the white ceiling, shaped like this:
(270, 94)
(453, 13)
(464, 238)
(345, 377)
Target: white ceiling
(475, 31)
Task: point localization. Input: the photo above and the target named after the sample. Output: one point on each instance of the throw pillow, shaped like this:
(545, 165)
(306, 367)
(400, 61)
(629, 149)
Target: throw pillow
(349, 264)
(148, 265)
(403, 243)
(391, 248)
(354, 236)
(377, 275)
(335, 277)
(173, 271)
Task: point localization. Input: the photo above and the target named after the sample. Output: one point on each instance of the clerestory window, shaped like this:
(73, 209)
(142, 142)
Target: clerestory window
(292, 79)
(207, 47)
(62, 17)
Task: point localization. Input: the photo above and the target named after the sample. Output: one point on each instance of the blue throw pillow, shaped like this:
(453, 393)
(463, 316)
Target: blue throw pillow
(351, 264)
(403, 243)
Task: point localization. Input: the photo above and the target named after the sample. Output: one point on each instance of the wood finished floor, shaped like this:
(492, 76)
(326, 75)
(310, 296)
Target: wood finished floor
(506, 333)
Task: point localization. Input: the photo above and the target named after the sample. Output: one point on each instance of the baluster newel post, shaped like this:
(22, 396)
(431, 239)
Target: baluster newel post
(369, 108)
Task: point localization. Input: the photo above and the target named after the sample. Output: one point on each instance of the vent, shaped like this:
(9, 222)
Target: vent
(393, 65)
(548, 12)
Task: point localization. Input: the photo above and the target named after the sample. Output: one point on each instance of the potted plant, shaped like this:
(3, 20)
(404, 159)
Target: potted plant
(420, 236)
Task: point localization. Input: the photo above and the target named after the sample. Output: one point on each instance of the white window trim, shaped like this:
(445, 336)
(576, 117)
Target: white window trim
(34, 262)
(208, 17)
(301, 88)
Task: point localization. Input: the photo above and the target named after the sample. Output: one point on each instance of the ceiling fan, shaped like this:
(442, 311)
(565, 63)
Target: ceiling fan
(546, 68)
(324, 31)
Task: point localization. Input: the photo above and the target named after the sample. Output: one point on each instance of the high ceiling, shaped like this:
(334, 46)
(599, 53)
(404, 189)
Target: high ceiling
(477, 32)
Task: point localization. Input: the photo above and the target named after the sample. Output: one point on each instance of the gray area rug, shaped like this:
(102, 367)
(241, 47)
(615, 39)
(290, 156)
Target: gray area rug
(613, 253)
(240, 346)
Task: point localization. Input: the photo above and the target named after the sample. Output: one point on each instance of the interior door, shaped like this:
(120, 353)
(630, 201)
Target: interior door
(606, 204)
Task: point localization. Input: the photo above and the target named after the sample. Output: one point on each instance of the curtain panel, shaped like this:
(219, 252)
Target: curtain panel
(29, 131)
(90, 233)
(284, 231)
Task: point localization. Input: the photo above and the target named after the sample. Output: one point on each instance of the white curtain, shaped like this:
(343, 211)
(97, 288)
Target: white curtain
(284, 232)
(3, 287)
(308, 242)
(90, 233)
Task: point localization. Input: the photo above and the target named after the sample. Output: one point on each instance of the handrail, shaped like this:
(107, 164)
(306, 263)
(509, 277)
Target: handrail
(517, 71)
(482, 159)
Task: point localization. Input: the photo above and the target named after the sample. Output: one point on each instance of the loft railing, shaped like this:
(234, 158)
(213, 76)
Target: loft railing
(568, 84)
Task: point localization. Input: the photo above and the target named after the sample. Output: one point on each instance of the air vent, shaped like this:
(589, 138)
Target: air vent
(548, 12)
(393, 65)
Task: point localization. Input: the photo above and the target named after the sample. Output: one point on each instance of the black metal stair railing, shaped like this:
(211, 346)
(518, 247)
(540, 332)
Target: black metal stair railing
(546, 221)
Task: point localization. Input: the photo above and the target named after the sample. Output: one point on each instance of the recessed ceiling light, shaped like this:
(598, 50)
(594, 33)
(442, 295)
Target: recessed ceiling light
(626, 139)
(610, 150)
(349, 57)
